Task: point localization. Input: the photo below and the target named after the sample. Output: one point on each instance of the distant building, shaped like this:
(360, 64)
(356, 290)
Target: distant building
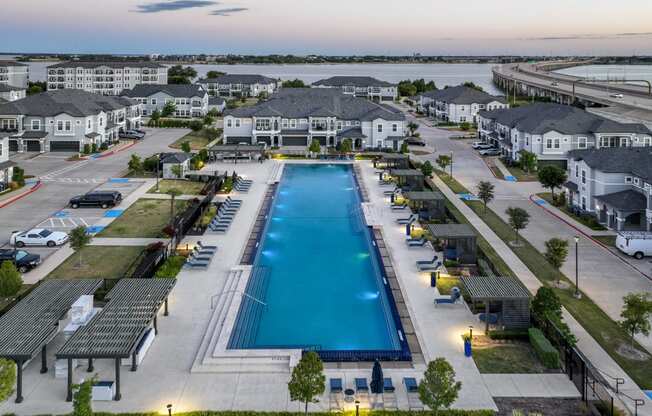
(171, 161)
(239, 85)
(550, 131)
(11, 93)
(14, 73)
(190, 100)
(458, 104)
(216, 103)
(613, 183)
(364, 87)
(296, 116)
(66, 120)
(106, 78)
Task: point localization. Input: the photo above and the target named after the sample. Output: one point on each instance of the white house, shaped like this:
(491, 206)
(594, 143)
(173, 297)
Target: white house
(364, 87)
(239, 85)
(216, 103)
(6, 165)
(458, 104)
(189, 100)
(11, 93)
(14, 74)
(171, 161)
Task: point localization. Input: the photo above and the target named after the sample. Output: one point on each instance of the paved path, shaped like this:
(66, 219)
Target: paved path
(117, 241)
(166, 196)
(530, 385)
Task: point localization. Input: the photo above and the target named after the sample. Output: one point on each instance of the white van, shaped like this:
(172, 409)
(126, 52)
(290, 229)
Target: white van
(637, 244)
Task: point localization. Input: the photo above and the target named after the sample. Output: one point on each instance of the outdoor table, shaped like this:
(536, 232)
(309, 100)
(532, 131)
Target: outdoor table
(349, 395)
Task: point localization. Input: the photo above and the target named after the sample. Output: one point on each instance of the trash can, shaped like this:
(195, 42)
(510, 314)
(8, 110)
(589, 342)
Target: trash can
(433, 279)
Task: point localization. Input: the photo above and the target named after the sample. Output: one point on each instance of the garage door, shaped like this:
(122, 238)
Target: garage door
(64, 146)
(13, 145)
(236, 140)
(295, 141)
(265, 139)
(33, 145)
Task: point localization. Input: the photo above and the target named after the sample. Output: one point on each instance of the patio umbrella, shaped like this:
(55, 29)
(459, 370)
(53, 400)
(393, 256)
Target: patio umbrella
(377, 378)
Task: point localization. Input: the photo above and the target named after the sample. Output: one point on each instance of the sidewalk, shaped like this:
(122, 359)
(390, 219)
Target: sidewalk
(589, 347)
(13, 196)
(503, 169)
(530, 385)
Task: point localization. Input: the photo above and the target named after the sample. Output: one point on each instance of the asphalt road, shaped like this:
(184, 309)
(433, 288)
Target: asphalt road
(63, 180)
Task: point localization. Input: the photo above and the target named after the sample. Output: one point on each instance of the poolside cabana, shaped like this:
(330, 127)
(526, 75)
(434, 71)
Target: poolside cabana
(27, 328)
(408, 179)
(506, 300)
(458, 240)
(236, 151)
(392, 161)
(119, 329)
(429, 204)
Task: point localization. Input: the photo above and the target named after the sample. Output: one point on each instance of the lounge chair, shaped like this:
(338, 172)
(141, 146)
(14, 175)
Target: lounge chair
(425, 264)
(221, 220)
(418, 242)
(335, 397)
(225, 214)
(205, 247)
(232, 201)
(406, 220)
(224, 208)
(198, 252)
(386, 183)
(219, 228)
(429, 267)
(196, 263)
(413, 393)
(389, 395)
(450, 299)
(398, 207)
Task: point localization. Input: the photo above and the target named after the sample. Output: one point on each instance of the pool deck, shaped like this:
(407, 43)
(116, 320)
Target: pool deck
(164, 376)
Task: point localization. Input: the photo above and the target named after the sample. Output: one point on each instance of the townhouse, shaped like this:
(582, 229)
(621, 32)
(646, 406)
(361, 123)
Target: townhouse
(239, 85)
(66, 120)
(11, 93)
(216, 103)
(189, 100)
(458, 104)
(551, 130)
(364, 87)
(6, 165)
(613, 183)
(106, 78)
(14, 74)
(296, 116)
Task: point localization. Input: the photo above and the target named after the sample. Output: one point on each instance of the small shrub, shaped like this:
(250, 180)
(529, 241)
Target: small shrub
(18, 176)
(548, 355)
(93, 148)
(509, 335)
(87, 149)
(465, 126)
(171, 267)
(451, 263)
(104, 146)
(7, 378)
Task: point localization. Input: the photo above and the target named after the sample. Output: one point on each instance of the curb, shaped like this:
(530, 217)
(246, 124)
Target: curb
(598, 242)
(107, 154)
(15, 198)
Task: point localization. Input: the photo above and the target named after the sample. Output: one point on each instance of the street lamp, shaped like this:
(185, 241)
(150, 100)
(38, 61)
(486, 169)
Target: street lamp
(578, 295)
(451, 163)
(471, 332)
(169, 407)
(158, 162)
(357, 408)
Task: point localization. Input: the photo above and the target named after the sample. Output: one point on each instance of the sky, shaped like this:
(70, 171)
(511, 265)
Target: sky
(332, 27)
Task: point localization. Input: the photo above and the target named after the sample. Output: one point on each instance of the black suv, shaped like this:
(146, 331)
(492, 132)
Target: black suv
(23, 260)
(102, 199)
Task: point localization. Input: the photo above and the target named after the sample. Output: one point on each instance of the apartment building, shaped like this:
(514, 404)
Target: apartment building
(614, 183)
(14, 74)
(458, 104)
(239, 85)
(106, 78)
(296, 116)
(11, 93)
(66, 120)
(189, 100)
(6, 165)
(364, 87)
(551, 130)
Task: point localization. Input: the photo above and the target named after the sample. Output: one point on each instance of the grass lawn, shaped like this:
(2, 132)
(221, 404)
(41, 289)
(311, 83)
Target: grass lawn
(507, 358)
(186, 187)
(592, 223)
(237, 102)
(99, 262)
(454, 185)
(198, 139)
(145, 218)
(521, 175)
(609, 240)
(445, 284)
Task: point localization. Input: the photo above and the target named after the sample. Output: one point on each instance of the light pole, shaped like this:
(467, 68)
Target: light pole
(158, 162)
(451, 163)
(578, 295)
(471, 332)
(357, 408)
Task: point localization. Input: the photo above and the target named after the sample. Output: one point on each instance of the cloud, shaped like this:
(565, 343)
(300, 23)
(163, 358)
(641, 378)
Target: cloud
(165, 6)
(593, 36)
(228, 11)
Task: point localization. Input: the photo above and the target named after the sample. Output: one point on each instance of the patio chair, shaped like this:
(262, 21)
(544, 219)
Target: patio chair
(232, 201)
(389, 395)
(426, 267)
(221, 220)
(219, 228)
(336, 394)
(416, 242)
(194, 255)
(224, 208)
(361, 385)
(450, 299)
(240, 179)
(398, 207)
(205, 247)
(196, 264)
(225, 214)
(197, 251)
(427, 263)
(412, 393)
(406, 220)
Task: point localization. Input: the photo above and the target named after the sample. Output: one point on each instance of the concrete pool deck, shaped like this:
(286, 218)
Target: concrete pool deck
(164, 376)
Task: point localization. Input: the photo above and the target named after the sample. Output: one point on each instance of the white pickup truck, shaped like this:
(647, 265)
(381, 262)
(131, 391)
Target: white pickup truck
(635, 243)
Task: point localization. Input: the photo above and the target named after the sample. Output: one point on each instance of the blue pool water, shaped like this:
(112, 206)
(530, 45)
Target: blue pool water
(317, 271)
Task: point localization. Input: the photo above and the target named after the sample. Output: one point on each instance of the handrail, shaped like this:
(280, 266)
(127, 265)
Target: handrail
(619, 380)
(235, 291)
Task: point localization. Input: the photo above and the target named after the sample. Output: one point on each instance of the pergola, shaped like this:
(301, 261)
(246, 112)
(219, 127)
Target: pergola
(117, 330)
(236, 151)
(27, 328)
(429, 204)
(409, 179)
(459, 239)
(392, 161)
(509, 293)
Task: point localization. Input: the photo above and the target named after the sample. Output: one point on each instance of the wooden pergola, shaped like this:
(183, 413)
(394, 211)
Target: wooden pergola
(392, 161)
(429, 204)
(460, 238)
(408, 179)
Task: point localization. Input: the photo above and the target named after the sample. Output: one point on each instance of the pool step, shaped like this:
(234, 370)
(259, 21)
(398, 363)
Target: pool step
(277, 172)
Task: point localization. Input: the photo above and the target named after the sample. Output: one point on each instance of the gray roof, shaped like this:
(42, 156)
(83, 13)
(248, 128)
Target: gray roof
(173, 90)
(5, 63)
(540, 118)
(352, 133)
(33, 134)
(240, 148)
(451, 230)
(318, 102)
(110, 64)
(636, 161)
(424, 195)
(572, 186)
(405, 172)
(9, 88)
(7, 164)
(178, 157)
(353, 81)
(462, 95)
(216, 101)
(494, 287)
(77, 103)
(628, 200)
(238, 79)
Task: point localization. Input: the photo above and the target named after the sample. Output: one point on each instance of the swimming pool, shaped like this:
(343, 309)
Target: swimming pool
(317, 283)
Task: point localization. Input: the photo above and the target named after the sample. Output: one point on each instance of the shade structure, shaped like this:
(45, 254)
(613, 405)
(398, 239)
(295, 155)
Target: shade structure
(377, 378)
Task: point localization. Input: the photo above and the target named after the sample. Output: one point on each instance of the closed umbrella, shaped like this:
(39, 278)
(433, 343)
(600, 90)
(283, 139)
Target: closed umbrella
(377, 378)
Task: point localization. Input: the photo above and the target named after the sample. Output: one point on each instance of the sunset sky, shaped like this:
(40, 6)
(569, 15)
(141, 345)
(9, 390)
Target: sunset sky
(335, 27)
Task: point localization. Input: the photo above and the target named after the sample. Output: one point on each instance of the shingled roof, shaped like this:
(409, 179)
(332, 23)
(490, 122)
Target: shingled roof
(173, 90)
(462, 95)
(77, 103)
(110, 64)
(636, 161)
(354, 81)
(318, 102)
(238, 79)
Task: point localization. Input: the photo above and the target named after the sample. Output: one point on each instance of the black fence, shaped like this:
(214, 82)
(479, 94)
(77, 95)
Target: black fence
(149, 261)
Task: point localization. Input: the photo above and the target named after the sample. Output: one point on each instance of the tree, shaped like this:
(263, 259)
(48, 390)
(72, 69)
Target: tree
(518, 219)
(135, 164)
(208, 119)
(406, 89)
(36, 87)
(214, 74)
(180, 75)
(546, 304)
(18, 176)
(485, 193)
(346, 146)
(79, 238)
(438, 389)
(470, 84)
(443, 161)
(169, 109)
(405, 148)
(426, 169)
(528, 161)
(185, 146)
(174, 193)
(636, 314)
(7, 378)
(196, 125)
(156, 115)
(82, 398)
(556, 252)
(552, 177)
(413, 127)
(308, 380)
(177, 170)
(295, 83)
(315, 147)
(10, 279)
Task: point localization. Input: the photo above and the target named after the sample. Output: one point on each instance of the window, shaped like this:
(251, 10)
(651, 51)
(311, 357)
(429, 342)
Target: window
(153, 101)
(583, 176)
(553, 143)
(285, 123)
(637, 181)
(64, 126)
(628, 179)
(584, 203)
(237, 122)
(89, 124)
(380, 128)
(577, 170)
(229, 122)
(293, 123)
(394, 127)
(581, 142)
(36, 124)
(101, 121)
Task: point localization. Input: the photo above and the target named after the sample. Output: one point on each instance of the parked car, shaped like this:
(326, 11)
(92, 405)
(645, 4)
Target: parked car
(23, 260)
(414, 141)
(38, 237)
(554, 84)
(103, 199)
(143, 132)
(636, 244)
(490, 152)
(481, 145)
(617, 96)
(131, 134)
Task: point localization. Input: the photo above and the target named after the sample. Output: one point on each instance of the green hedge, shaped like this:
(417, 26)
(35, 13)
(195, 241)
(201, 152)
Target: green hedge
(449, 412)
(171, 267)
(172, 123)
(544, 349)
(509, 335)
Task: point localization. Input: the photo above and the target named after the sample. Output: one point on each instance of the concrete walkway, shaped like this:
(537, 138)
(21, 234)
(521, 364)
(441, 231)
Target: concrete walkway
(531, 385)
(166, 196)
(117, 241)
(503, 169)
